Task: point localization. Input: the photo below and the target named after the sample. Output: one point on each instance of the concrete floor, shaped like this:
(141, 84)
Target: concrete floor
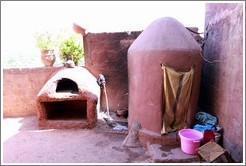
(24, 142)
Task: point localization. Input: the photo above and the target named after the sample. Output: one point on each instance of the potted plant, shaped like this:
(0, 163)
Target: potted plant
(71, 48)
(46, 43)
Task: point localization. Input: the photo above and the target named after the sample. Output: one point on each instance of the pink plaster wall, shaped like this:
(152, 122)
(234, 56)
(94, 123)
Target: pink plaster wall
(106, 53)
(20, 89)
(222, 77)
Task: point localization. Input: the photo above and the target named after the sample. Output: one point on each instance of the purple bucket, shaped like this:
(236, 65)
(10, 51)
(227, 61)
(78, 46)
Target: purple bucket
(190, 140)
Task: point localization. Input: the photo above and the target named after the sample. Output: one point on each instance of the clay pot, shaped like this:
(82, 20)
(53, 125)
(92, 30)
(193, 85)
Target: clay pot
(48, 57)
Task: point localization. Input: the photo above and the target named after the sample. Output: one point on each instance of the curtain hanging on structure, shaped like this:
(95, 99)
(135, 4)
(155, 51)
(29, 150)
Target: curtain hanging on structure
(176, 98)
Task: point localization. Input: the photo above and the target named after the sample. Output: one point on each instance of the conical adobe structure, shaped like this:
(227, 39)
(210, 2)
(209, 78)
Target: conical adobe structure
(165, 41)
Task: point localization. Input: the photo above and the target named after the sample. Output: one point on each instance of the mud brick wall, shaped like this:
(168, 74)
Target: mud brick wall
(20, 89)
(106, 53)
(222, 77)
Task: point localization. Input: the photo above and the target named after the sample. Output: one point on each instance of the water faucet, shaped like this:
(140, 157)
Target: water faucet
(101, 80)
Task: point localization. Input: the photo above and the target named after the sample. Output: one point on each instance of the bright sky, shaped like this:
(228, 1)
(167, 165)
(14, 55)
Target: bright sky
(20, 20)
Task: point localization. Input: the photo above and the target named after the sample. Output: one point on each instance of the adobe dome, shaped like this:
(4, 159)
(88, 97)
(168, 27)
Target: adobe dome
(165, 41)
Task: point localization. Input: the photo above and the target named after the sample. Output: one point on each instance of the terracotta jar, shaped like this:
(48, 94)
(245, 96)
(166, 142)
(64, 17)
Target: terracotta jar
(48, 57)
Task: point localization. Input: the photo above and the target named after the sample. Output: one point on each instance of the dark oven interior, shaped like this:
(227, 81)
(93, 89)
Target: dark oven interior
(65, 110)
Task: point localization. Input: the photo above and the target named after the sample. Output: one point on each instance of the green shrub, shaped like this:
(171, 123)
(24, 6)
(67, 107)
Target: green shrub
(44, 40)
(71, 45)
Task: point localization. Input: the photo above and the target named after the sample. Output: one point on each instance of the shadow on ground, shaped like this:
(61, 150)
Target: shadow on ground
(24, 142)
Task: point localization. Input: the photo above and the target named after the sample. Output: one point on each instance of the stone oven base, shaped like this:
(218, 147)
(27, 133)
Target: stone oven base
(65, 115)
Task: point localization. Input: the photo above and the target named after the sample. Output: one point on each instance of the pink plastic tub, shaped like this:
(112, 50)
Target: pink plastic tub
(190, 140)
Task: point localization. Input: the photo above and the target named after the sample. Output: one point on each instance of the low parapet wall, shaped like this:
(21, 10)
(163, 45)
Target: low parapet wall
(20, 89)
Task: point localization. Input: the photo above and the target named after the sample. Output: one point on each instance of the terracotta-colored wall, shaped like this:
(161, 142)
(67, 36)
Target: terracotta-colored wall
(106, 53)
(222, 78)
(20, 89)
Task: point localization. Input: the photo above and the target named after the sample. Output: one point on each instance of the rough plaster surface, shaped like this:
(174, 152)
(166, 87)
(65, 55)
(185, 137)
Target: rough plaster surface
(20, 89)
(88, 90)
(222, 78)
(163, 41)
(106, 53)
